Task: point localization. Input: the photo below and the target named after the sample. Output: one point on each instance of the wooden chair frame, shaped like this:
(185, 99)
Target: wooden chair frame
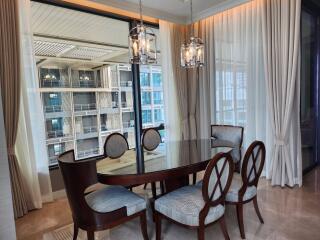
(78, 176)
(207, 197)
(153, 184)
(246, 182)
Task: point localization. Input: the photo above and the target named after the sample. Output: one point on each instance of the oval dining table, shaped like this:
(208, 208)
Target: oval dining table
(170, 164)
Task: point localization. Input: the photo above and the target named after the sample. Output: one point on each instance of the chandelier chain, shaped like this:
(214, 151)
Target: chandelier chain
(140, 5)
(191, 11)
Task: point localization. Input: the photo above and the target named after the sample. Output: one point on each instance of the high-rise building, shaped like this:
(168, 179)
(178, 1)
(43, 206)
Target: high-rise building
(82, 106)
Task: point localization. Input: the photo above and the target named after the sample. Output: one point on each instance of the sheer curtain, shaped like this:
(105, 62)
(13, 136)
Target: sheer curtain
(168, 43)
(234, 52)
(30, 148)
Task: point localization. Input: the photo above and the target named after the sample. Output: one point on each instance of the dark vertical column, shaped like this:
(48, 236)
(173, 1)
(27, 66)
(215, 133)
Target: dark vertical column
(137, 111)
(317, 88)
(137, 116)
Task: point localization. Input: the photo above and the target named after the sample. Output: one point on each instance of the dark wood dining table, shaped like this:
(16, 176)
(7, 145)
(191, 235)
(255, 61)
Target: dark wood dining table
(170, 164)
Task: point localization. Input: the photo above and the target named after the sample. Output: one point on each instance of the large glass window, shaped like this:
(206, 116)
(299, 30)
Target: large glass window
(86, 81)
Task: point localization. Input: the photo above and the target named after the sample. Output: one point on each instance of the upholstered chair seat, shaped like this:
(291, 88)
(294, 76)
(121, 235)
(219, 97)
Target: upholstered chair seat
(184, 206)
(233, 194)
(113, 198)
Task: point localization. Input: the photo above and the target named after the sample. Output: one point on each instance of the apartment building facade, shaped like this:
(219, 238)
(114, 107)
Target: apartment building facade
(82, 106)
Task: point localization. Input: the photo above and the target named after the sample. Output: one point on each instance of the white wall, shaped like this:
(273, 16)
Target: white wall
(7, 225)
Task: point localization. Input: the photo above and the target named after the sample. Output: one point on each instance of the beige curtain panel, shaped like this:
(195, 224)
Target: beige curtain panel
(281, 47)
(10, 91)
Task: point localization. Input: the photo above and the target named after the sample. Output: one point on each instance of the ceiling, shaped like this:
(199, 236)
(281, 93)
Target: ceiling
(76, 38)
(174, 10)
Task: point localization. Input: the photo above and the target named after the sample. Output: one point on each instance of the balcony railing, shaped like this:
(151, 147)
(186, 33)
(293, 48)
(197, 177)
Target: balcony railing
(85, 107)
(90, 129)
(88, 153)
(126, 83)
(54, 83)
(126, 105)
(104, 127)
(113, 105)
(55, 134)
(53, 108)
(53, 160)
(84, 84)
(127, 125)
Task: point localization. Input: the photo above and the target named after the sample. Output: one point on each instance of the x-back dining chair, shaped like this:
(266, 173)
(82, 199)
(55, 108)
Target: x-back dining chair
(101, 209)
(150, 140)
(198, 206)
(244, 190)
(115, 145)
(229, 136)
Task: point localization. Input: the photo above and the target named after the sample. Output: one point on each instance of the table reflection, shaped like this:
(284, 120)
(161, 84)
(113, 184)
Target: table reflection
(168, 155)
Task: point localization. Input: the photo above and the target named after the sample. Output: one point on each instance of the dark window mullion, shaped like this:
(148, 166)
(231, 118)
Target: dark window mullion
(136, 90)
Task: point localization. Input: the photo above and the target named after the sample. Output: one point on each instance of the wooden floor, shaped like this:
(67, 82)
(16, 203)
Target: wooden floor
(288, 214)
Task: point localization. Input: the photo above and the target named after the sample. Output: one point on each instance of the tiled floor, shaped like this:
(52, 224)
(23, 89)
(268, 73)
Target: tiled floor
(288, 214)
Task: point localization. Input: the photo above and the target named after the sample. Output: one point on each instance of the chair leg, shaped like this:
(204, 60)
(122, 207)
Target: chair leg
(201, 232)
(143, 225)
(75, 231)
(162, 187)
(240, 219)
(158, 226)
(224, 229)
(90, 235)
(256, 207)
(154, 190)
(194, 178)
(145, 186)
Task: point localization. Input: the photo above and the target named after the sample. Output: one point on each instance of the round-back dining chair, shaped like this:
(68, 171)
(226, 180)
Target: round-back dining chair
(115, 145)
(151, 139)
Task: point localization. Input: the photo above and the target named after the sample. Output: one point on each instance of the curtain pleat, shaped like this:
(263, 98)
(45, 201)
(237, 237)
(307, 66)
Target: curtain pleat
(281, 45)
(10, 90)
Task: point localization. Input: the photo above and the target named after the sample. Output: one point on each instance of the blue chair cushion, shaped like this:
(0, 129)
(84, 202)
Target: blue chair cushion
(233, 193)
(184, 206)
(112, 198)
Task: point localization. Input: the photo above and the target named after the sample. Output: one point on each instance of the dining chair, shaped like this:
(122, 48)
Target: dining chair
(198, 206)
(244, 188)
(115, 145)
(229, 136)
(101, 209)
(150, 140)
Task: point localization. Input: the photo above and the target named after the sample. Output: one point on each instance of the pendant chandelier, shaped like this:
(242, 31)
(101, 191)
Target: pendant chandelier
(142, 43)
(192, 53)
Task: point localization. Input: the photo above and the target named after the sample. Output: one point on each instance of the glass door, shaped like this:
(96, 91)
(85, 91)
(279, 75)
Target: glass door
(309, 88)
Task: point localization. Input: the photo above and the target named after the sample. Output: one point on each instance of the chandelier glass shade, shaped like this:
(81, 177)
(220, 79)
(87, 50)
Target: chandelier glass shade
(142, 43)
(192, 52)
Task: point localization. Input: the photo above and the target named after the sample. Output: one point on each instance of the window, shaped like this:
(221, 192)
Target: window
(145, 79)
(157, 97)
(86, 83)
(158, 115)
(157, 81)
(146, 116)
(231, 94)
(146, 98)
